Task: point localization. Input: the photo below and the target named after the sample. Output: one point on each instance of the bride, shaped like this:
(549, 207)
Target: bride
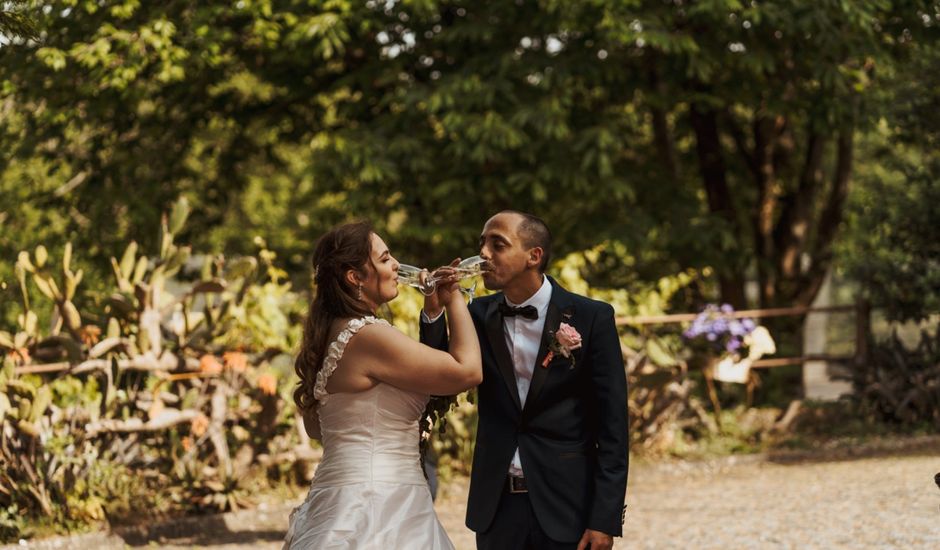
(363, 387)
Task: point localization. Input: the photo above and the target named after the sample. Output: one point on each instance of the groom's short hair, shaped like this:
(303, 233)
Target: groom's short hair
(534, 232)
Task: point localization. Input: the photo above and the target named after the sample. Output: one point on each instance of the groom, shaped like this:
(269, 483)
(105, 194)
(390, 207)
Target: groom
(551, 457)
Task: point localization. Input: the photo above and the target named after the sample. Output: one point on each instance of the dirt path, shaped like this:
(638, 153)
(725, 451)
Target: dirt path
(886, 502)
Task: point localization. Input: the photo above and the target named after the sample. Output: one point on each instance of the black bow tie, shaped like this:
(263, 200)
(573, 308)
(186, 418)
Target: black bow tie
(529, 312)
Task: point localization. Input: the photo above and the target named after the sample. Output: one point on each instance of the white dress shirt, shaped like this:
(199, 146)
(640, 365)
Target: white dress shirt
(523, 338)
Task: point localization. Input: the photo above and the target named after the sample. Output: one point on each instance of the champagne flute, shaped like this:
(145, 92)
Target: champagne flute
(427, 282)
(417, 278)
(466, 269)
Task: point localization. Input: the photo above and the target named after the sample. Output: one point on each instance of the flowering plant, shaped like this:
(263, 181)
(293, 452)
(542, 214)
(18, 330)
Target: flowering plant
(738, 342)
(716, 331)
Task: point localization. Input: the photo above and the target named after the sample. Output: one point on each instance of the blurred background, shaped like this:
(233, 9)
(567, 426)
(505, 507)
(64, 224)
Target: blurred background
(166, 168)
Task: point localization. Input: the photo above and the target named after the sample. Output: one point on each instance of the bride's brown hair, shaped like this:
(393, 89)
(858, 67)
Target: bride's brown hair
(345, 247)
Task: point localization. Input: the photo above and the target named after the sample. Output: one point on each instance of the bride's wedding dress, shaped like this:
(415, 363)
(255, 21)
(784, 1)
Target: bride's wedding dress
(369, 490)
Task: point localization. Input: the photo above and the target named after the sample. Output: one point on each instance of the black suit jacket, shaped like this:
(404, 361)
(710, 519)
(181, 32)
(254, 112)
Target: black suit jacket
(572, 433)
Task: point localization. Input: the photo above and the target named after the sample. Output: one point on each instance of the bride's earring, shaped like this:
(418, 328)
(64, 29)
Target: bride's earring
(359, 294)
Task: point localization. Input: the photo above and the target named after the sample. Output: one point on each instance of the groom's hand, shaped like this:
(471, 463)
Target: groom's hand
(595, 540)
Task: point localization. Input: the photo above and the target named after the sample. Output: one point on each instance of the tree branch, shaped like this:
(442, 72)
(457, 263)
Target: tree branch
(164, 420)
(740, 142)
(793, 228)
(768, 191)
(165, 362)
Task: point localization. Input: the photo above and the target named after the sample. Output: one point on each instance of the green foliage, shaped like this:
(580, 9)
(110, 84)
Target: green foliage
(894, 247)
(891, 244)
(16, 21)
(281, 119)
(163, 380)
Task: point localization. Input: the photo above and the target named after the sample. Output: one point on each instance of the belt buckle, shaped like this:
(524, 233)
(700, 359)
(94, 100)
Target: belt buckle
(517, 485)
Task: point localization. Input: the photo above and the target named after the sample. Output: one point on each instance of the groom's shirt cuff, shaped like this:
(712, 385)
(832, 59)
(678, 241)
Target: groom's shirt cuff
(428, 320)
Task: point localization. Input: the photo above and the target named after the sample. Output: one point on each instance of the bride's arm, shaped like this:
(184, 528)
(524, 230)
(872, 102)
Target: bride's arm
(385, 354)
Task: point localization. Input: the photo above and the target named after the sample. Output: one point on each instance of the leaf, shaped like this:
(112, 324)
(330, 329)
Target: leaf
(659, 355)
(72, 348)
(139, 270)
(114, 328)
(120, 305)
(127, 260)
(104, 346)
(178, 215)
(242, 267)
(20, 339)
(27, 321)
(4, 406)
(23, 261)
(67, 257)
(177, 259)
(28, 428)
(40, 404)
(41, 256)
(71, 283)
(71, 314)
(208, 286)
(46, 285)
(6, 339)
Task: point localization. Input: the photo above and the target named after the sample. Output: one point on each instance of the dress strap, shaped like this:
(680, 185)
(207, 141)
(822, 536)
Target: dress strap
(334, 352)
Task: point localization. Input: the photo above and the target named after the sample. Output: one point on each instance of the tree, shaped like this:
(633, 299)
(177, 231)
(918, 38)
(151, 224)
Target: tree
(892, 243)
(693, 135)
(15, 21)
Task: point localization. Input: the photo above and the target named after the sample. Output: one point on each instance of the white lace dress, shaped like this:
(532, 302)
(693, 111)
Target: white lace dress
(368, 491)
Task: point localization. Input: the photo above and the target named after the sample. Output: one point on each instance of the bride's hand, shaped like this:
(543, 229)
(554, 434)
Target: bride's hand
(445, 290)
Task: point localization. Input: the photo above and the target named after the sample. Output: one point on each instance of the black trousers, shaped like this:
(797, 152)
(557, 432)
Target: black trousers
(516, 528)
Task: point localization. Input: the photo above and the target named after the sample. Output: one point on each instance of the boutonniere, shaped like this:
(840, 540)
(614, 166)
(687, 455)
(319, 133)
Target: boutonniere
(564, 340)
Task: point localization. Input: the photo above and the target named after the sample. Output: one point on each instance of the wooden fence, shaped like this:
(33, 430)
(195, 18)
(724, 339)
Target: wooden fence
(861, 309)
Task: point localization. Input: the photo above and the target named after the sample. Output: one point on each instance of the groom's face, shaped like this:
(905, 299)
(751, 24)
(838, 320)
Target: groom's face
(502, 247)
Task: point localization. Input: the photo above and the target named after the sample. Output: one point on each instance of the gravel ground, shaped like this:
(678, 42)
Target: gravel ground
(754, 502)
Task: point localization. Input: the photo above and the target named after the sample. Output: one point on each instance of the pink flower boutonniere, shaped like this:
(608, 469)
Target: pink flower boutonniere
(564, 340)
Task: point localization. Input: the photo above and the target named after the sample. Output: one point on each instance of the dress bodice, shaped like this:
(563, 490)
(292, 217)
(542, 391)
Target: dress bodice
(370, 435)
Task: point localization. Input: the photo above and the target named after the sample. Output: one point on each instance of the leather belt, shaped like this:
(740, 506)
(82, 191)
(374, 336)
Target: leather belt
(517, 485)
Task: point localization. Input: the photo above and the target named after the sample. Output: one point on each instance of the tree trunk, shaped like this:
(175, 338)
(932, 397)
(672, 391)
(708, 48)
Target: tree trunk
(764, 215)
(713, 170)
(829, 221)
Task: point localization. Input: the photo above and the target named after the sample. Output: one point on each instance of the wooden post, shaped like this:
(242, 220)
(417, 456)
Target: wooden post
(862, 331)
(709, 373)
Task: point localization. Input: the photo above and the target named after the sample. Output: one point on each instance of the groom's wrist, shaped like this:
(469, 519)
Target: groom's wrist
(428, 316)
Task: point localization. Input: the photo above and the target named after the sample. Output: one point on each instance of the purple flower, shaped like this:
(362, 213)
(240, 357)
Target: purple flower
(718, 330)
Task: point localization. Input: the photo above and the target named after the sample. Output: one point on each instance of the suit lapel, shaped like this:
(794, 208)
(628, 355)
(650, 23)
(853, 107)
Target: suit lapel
(497, 338)
(552, 320)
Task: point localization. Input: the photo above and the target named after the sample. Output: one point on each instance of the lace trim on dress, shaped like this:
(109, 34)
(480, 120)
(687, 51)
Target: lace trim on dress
(335, 352)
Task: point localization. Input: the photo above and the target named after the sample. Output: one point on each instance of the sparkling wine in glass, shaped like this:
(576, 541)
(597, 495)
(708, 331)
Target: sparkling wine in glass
(467, 269)
(427, 282)
(412, 276)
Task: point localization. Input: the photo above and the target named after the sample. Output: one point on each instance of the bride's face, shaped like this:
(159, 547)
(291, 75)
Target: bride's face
(381, 282)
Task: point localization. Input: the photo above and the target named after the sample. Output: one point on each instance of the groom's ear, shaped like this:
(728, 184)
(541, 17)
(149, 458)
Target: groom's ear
(535, 257)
